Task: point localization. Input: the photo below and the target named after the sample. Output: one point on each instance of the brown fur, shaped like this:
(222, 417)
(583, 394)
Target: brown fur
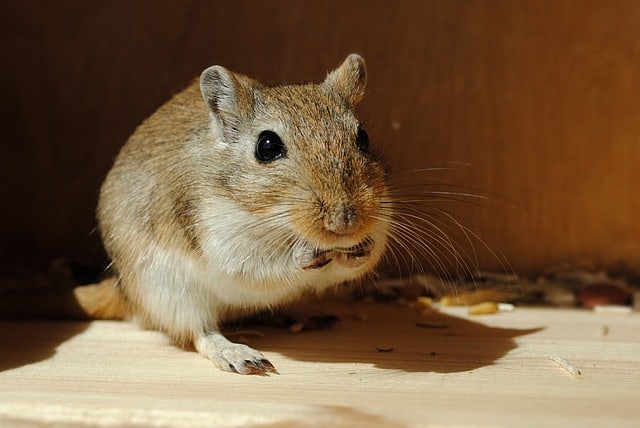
(193, 156)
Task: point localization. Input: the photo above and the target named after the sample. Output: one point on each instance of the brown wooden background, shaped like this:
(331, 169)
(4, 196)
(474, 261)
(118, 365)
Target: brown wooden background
(539, 99)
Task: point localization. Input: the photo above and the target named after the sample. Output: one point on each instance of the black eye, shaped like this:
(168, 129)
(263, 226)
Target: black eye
(362, 140)
(269, 147)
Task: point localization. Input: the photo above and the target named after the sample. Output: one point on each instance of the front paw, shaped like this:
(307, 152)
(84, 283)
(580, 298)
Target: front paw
(242, 359)
(232, 357)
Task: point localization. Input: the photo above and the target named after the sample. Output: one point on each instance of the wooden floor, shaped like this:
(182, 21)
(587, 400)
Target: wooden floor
(491, 370)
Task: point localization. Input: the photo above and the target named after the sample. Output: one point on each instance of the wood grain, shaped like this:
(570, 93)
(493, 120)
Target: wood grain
(539, 99)
(492, 370)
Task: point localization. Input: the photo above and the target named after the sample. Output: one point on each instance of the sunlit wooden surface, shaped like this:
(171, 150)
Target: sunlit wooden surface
(492, 370)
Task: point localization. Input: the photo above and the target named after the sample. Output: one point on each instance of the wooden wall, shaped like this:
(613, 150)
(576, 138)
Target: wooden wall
(536, 103)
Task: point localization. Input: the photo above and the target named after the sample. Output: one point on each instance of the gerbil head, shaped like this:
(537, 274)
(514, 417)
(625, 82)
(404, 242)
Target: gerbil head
(298, 160)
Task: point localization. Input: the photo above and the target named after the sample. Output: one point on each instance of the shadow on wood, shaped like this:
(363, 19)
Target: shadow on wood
(18, 350)
(387, 336)
(394, 337)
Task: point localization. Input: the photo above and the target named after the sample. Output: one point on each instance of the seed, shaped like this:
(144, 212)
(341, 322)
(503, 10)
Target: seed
(484, 308)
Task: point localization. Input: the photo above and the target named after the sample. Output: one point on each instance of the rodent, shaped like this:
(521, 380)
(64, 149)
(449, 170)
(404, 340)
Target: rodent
(235, 196)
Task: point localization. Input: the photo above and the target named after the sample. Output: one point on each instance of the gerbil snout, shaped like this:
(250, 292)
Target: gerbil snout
(342, 219)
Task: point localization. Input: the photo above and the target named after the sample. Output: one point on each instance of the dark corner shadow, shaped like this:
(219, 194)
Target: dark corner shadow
(29, 332)
(391, 336)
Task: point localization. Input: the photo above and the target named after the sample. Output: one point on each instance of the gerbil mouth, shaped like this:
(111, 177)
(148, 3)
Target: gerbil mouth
(351, 257)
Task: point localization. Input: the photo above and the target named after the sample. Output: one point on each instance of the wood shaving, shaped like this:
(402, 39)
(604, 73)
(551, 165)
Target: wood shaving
(566, 365)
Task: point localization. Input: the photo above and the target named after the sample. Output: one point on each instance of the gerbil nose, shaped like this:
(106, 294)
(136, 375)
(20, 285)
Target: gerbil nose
(342, 219)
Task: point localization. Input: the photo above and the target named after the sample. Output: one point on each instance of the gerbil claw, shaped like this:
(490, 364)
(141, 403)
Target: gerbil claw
(261, 367)
(266, 364)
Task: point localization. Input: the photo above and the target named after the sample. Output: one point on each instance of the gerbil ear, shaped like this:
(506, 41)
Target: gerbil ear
(349, 80)
(229, 96)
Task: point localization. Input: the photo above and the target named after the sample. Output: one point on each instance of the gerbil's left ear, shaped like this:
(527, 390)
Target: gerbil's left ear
(349, 80)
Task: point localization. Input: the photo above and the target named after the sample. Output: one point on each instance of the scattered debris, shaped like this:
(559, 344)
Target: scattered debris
(566, 287)
(573, 276)
(479, 295)
(603, 293)
(293, 321)
(566, 365)
(558, 294)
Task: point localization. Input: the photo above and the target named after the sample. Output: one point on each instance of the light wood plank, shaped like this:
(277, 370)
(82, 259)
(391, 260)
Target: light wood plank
(491, 370)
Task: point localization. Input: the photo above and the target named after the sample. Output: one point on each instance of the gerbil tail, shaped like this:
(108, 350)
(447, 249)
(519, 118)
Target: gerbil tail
(102, 300)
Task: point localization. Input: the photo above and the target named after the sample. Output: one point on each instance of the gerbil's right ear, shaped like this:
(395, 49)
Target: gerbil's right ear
(349, 80)
(229, 96)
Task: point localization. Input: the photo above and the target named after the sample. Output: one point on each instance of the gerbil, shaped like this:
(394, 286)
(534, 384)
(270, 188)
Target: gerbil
(234, 197)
